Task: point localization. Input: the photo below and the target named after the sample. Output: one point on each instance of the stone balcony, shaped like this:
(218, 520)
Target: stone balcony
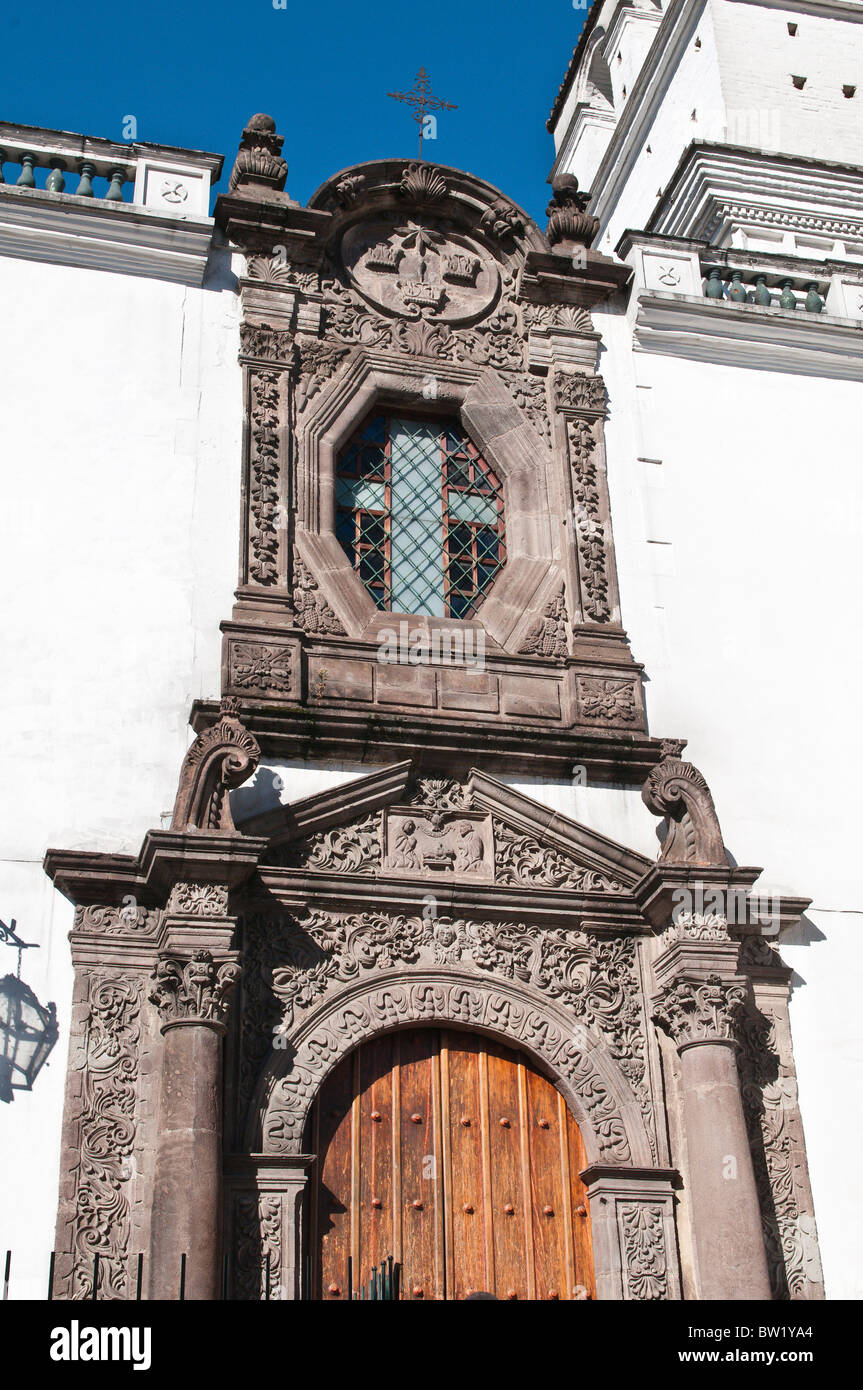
(136, 209)
(743, 307)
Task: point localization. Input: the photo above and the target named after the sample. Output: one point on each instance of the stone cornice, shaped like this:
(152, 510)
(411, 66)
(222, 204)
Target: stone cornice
(373, 736)
(64, 229)
(716, 187)
(203, 856)
(829, 9)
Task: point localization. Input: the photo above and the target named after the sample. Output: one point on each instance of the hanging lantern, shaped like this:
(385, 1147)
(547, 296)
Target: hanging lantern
(28, 1031)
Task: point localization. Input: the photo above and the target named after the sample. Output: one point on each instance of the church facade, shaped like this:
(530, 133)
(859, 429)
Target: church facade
(440, 956)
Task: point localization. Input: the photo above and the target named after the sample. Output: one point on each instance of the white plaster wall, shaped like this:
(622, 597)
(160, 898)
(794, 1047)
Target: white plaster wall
(736, 499)
(120, 504)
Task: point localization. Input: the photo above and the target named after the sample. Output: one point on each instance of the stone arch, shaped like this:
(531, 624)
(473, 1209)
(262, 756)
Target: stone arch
(576, 1059)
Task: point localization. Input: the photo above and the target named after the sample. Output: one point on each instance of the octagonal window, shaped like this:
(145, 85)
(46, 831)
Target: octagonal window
(419, 513)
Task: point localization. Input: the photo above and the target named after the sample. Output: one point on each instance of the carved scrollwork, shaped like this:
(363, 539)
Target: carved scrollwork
(258, 667)
(221, 758)
(521, 859)
(195, 990)
(129, 919)
(530, 395)
(257, 1246)
(589, 525)
(102, 1212)
(264, 477)
(347, 849)
(676, 790)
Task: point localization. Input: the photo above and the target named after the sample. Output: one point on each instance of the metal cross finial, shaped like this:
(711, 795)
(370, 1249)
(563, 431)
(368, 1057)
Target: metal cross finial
(421, 98)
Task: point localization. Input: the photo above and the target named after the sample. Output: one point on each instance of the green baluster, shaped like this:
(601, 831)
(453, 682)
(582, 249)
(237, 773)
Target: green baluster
(715, 288)
(55, 182)
(737, 289)
(787, 299)
(813, 302)
(762, 293)
(2, 162)
(85, 186)
(26, 178)
(115, 192)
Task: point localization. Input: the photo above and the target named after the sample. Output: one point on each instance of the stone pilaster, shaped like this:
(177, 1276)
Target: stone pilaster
(191, 984)
(699, 1002)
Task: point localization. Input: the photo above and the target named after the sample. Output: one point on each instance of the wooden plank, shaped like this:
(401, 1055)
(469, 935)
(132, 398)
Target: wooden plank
(468, 1268)
(508, 1204)
(397, 1251)
(567, 1213)
(581, 1210)
(332, 1230)
(528, 1202)
(433, 1172)
(446, 1171)
(376, 1131)
(551, 1233)
(421, 1212)
(487, 1194)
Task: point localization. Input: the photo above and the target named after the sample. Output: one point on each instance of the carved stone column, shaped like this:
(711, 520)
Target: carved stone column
(191, 993)
(698, 1004)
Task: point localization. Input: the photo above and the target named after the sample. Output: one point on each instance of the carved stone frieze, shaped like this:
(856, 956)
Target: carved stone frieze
(129, 919)
(566, 316)
(261, 668)
(575, 391)
(642, 1239)
(102, 1205)
(194, 990)
(523, 860)
(455, 844)
(264, 477)
(696, 1010)
(314, 614)
(589, 525)
(606, 699)
(419, 272)
(346, 849)
(276, 270)
(262, 343)
(199, 899)
(548, 636)
(698, 926)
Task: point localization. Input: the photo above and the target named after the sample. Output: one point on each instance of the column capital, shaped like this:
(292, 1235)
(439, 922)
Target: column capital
(193, 990)
(697, 1008)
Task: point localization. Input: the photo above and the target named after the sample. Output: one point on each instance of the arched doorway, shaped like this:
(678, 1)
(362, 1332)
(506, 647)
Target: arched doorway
(457, 1157)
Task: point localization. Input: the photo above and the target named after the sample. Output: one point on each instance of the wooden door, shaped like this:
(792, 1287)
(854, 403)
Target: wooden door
(459, 1159)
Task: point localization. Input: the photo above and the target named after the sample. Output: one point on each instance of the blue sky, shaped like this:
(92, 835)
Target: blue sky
(192, 72)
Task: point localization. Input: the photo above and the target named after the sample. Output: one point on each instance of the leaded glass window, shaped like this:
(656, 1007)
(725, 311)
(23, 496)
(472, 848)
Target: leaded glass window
(420, 514)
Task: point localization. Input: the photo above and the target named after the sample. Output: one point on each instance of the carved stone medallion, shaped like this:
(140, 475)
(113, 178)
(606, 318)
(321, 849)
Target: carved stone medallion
(419, 272)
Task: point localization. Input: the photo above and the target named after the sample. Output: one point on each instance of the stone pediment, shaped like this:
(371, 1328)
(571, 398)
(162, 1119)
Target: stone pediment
(444, 832)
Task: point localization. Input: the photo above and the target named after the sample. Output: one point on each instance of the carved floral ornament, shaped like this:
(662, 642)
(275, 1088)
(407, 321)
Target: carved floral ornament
(193, 991)
(221, 758)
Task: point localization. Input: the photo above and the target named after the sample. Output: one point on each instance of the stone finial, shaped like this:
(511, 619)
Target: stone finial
(259, 163)
(193, 990)
(224, 756)
(698, 1011)
(568, 222)
(676, 790)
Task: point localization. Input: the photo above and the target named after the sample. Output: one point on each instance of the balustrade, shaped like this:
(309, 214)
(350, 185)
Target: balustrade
(766, 290)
